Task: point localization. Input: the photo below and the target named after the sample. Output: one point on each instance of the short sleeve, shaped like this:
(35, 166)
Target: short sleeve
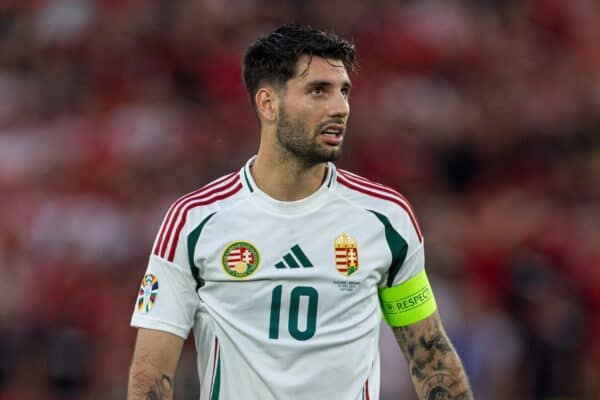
(405, 296)
(167, 299)
(414, 262)
(405, 243)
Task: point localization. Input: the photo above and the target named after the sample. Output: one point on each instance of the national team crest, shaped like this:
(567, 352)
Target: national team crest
(240, 259)
(346, 254)
(147, 294)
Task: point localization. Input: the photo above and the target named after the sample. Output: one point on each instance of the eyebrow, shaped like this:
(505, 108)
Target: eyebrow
(345, 84)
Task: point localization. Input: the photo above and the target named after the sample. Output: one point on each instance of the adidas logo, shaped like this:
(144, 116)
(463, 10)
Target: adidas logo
(295, 259)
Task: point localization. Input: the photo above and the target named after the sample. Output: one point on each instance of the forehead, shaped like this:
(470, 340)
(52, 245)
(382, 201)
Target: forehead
(317, 68)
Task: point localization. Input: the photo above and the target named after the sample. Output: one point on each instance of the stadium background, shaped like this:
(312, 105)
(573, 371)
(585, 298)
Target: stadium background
(484, 113)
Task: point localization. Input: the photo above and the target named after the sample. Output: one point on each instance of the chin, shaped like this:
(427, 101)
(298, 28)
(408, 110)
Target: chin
(318, 155)
(332, 155)
(336, 155)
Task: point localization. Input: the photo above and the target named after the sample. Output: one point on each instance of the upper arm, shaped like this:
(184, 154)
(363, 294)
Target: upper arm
(164, 312)
(153, 365)
(167, 299)
(158, 349)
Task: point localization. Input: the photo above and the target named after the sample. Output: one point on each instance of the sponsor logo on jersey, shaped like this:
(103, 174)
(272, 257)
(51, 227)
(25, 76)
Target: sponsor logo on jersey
(346, 254)
(240, 259)
(294, 259)
(147, 294)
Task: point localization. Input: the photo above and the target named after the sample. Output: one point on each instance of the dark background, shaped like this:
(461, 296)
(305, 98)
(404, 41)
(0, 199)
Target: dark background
(485, 114)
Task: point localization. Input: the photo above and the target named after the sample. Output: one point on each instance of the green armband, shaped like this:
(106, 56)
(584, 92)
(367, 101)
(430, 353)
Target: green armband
(410, 302)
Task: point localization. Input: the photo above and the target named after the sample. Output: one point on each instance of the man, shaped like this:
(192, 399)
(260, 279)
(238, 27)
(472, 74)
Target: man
(283, 268)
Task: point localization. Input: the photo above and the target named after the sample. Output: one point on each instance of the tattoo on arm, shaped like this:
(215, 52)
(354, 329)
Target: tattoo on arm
(435, 368)
(148, 383)
(161, 389)
(441, 387)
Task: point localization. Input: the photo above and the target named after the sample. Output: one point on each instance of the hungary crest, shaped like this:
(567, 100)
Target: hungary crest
(240, 259)
(346, 254)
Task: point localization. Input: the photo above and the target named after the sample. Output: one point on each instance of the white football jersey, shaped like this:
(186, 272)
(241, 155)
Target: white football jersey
(282, 297)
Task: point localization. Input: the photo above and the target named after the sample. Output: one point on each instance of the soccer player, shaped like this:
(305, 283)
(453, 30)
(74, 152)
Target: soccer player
(283, 269)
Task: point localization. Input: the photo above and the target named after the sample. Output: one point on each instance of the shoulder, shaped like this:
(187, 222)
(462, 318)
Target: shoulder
(193, 207)
(214, 194)
(376, 197)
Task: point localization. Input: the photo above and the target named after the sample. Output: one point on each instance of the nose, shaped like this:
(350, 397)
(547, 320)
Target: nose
(339, 106)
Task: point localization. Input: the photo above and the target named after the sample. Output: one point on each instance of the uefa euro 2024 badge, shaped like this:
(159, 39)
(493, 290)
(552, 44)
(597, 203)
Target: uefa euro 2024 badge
(147, 294)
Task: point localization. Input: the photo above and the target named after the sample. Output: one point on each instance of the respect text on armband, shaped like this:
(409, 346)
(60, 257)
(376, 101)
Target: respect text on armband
(409, 302)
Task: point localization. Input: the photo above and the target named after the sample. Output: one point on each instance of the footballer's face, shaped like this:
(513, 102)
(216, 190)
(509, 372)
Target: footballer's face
(314, 111)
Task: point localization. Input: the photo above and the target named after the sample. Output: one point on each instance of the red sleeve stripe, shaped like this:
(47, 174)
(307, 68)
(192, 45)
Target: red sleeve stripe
(175, 212)
(200, 202)
(214, 369)
(176, 207)
(357, 178)
(381, 192)
(377, 186)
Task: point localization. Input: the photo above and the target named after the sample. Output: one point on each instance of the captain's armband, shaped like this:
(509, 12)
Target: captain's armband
(409, 302)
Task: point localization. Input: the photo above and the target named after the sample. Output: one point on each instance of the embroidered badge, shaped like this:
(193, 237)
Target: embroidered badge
(346, 254)
(240, 259)
(147, 294)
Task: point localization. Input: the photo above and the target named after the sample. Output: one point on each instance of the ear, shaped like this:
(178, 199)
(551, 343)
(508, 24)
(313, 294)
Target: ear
(267, 103)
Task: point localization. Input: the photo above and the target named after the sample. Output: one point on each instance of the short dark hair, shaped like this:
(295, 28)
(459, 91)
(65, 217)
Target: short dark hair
(273, 58)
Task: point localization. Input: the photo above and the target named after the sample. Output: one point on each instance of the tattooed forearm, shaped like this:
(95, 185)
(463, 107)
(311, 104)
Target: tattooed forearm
(435, 368)
(441, 386)
(161, 389)
(153, 365)
(150, 385)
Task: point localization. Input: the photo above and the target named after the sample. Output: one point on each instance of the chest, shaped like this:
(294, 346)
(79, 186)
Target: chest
(344, 246)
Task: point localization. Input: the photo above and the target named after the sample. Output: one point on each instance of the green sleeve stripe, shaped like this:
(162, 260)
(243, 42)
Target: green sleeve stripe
(217, 381)
(397, 245)
(192, 240)
(410, 302)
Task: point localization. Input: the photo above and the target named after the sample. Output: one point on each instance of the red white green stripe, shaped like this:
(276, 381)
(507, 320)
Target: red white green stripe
(215, 382)
(367, 187)
(177, 214)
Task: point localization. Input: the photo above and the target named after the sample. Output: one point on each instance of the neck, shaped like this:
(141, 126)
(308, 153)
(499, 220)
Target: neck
(286, 178)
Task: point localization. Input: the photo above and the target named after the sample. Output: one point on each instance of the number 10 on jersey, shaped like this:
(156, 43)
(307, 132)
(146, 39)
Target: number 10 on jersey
(293, 327)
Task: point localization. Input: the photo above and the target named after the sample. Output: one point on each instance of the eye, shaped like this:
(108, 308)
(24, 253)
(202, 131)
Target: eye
(317, 90)
(346, 91)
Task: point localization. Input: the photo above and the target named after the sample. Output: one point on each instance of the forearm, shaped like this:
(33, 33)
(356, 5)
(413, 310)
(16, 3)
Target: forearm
(147, 382)
(440, 377)
(435, 368)
(153, 365)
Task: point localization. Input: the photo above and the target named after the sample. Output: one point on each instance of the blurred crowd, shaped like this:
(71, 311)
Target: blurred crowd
(484, 113)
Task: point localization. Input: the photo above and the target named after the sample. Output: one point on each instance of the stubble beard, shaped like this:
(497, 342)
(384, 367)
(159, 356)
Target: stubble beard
(297, 141)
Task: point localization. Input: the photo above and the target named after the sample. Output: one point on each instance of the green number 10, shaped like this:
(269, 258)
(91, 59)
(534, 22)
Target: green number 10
(311, 315)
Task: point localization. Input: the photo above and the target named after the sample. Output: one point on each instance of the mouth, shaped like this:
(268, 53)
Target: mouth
(333, 133)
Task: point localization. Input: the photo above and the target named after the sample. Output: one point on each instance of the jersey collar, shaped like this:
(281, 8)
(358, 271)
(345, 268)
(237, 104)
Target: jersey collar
(297, 207)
